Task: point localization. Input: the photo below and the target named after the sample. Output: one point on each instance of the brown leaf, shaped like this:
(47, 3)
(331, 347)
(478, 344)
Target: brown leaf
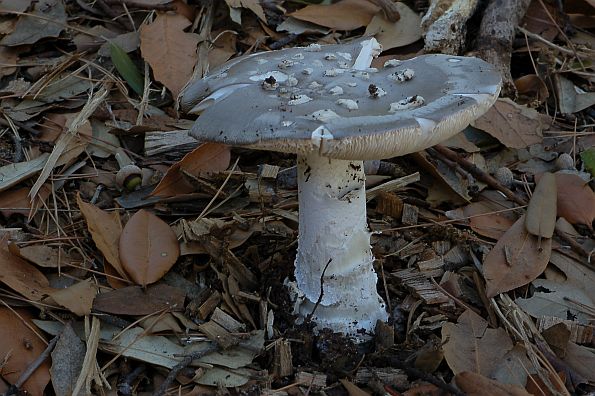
(21, 276)
(541, 212)
(18, 201)
(148, 248)
(343, 15)
(517, 259)
(19, 347)
(478, 385)
(206, 158)
(471, 346)
(513, 125)
(77, 298)
(105, 229)
(169, 50)
(576, 200)
(42, 255)
(134, 300)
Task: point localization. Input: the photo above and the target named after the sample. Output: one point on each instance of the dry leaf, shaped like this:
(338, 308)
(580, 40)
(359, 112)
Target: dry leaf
(42, 255)
(32, 29)
(67, 361)
(148, 248)
(513, 125)
(517, 259)
(470, 346)
(206, 158)
(134, 300)
(541, 212)
(18, 201)
(19, 347)
(105, 229)
(405, 31)
(582, 360)
(343, 15)
(252, 5)
(77, 298)
(576, 200)
(21, 276)
(169, 50)
(478, 385)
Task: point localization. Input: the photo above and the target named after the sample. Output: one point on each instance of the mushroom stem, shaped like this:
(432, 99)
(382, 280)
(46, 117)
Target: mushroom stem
(334, 246)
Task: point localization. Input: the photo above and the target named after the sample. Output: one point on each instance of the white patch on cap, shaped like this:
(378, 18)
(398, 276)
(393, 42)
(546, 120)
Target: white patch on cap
(410, 102)
(269, 86)
(314, 85)
(345, 55)
(375, 91)
(261, 61)
(330, 56)
(352, 84)
(307, 71)
(349, 104)
(298, 56)
(313, 47)
(402, 75)
(324, 115)
(221, 75)
(291, 81)
(392, 63)
(362, 74)
(336, 90)
(370, 50)
(343, 65)
(287, 123)
(298, 100)
(279, 76)
(332, 72)
(286, 63)
(320, 134)
(454, 60)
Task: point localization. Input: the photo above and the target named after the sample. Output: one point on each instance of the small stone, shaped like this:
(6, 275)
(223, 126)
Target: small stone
(402, 75)
(408, 103)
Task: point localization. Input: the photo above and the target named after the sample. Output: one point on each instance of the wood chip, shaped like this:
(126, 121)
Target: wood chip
(410, 214)
(313, 380)
(283, 365)
(218, 334)
(420, 285)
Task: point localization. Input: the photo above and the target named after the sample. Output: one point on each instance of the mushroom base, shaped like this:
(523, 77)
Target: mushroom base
(334, 246)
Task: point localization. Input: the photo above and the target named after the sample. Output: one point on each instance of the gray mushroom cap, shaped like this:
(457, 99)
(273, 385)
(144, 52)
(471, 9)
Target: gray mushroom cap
(318, 101)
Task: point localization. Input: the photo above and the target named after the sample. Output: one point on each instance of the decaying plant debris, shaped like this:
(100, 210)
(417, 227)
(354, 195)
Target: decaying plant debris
(171, 281)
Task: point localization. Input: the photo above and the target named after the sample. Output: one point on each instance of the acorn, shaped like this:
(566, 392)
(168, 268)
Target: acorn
(129, 177)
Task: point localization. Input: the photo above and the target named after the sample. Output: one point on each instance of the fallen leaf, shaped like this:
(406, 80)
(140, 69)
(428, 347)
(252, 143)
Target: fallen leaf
(30, 29)
(42, 255)
(576, 200)
(206, 158)
(134, 300)
(77, 298)
(148, 248)
(9, 57)
(470, 346)
(478, 385)
(21, 276)
(513, 125)
(67, 361)
(403, 32)
(127, 68)
(105, 229)
(581, 359)
(343, 15)
(169, 50)
(541, 212)
(19, 347)
(18, 201)
(517, 259)
(252, 5)
(562, 300)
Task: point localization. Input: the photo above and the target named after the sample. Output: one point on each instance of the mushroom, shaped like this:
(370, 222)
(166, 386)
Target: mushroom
(129, 177)
(375, 116)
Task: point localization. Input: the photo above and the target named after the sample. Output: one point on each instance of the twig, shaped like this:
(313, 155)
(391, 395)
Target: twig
(125, 387)
(479, 174)
(180, 366)
(397, 363)
(14, 389)
(309, 318)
